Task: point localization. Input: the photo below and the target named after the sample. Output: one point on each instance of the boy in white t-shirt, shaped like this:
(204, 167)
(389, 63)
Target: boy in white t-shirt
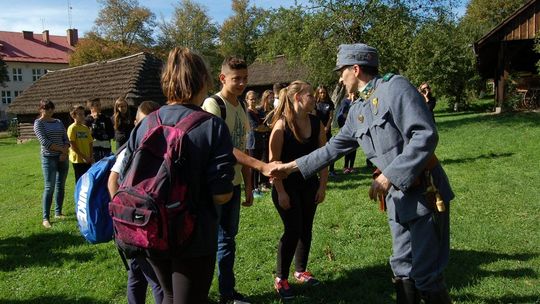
(140, 272)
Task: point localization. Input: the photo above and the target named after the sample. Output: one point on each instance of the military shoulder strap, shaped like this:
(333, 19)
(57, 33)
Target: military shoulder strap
(387, 77)
(221, 104)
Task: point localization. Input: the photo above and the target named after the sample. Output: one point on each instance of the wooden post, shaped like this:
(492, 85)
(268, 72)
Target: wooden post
(502, 75)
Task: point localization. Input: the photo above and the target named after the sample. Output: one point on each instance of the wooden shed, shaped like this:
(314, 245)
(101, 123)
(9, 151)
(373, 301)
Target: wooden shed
(509, 48)
(135, 77)
(263, 74)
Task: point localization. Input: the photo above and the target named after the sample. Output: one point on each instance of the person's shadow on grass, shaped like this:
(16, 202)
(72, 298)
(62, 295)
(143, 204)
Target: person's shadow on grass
(43, 249)
(367, 285)
(468, 268)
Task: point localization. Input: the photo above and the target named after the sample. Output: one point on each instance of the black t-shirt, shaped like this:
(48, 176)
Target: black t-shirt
(293, 149)
(102, 127)
(324, 109)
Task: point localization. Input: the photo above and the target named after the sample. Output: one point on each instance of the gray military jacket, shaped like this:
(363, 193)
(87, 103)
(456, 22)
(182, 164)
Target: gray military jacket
(395, 129)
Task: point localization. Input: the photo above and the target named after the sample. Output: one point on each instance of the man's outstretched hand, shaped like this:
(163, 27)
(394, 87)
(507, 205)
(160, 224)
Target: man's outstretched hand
(281, 170)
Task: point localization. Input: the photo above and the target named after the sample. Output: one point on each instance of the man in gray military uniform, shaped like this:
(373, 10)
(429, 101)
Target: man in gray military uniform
(393, 126)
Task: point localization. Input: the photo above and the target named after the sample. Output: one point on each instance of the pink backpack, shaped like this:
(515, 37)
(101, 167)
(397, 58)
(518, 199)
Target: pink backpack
(151, 211)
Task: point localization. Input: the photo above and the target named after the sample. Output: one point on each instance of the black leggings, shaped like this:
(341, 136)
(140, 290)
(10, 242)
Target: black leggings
(185, 280)
(80, 169)
(349, 160)
(298, 223)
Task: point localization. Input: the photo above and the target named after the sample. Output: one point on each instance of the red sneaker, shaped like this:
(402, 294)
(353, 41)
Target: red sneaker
(283, 289)
(306, 277)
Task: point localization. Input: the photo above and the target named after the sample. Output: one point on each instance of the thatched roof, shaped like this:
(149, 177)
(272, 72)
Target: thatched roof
(137, 77)
(278, 70)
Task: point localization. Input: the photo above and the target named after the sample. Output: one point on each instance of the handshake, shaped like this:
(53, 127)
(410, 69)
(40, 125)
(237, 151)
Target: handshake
(277, 169)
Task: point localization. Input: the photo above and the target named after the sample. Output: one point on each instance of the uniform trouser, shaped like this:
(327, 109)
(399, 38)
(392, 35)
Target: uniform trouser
(298, 225)
(185, 280)
(139, 275)
(229, 219)
(420, 249)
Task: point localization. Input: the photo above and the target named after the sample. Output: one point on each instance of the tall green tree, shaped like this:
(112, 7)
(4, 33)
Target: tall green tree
(440, 55)
(94, 48)
(4, 76)
(190, 27)
(311, 33)
(125, 22)
(240, 31)
(122, 27)
(483, 15)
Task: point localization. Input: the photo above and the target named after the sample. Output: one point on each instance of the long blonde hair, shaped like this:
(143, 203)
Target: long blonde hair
(285, 108)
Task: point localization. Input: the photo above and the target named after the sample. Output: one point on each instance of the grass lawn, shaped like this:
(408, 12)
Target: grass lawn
(493, 162)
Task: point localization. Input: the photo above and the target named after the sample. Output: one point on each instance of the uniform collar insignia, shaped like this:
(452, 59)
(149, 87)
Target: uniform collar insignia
(368, 90)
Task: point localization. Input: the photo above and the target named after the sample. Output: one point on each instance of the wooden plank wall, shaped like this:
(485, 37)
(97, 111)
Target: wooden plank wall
(525, 26)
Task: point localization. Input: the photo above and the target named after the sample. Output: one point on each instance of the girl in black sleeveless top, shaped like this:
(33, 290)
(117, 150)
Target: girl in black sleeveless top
(296, 133)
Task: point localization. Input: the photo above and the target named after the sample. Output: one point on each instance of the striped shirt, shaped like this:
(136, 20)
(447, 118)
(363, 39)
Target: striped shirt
(49, 133)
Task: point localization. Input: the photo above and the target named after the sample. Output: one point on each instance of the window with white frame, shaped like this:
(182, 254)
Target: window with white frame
(17, 93)
(17, 74)
(36, 73)
(6, 97)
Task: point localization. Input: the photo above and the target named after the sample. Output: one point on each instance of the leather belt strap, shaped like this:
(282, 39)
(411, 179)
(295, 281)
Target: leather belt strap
(432, 162)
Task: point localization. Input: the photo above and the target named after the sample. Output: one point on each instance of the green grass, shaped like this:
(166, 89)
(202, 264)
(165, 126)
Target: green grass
(493, 162)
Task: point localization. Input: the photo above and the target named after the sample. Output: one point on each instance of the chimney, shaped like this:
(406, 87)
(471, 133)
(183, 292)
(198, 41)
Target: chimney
(46, 36)
(29, 35)
(72, 37)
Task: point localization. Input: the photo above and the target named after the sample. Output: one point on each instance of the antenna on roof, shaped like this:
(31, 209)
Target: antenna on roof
(69, 8)
(42, 24)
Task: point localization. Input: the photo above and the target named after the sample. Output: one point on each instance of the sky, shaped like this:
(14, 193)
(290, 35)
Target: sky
(52, 15)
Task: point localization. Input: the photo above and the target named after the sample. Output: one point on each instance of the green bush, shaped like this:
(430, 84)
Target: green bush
(13, 128)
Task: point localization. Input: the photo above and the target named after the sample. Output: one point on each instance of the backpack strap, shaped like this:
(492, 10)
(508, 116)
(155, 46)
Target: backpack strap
(221, 104)
(192, 120)
(153, 120)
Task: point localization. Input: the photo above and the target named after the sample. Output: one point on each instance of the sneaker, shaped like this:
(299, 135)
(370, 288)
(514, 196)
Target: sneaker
(306, 278)
(60, 216)
(346, 171)
(332, 174)
(257, 193)
(235, 298)
(283, 289)
(47, 224)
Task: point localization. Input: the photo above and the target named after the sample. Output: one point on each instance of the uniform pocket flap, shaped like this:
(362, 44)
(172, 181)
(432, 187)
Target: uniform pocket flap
(381, 120)
(361, 131)
(129, 215)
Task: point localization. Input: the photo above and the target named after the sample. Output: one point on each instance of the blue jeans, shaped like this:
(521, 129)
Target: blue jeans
(227, 231)
(55, 174)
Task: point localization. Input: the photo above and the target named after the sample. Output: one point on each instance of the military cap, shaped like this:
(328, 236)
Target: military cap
(358, 53)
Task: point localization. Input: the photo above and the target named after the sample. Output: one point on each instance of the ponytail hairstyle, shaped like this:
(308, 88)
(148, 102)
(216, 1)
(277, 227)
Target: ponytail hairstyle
(285, 108)
(184, 76)
(120, 118)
